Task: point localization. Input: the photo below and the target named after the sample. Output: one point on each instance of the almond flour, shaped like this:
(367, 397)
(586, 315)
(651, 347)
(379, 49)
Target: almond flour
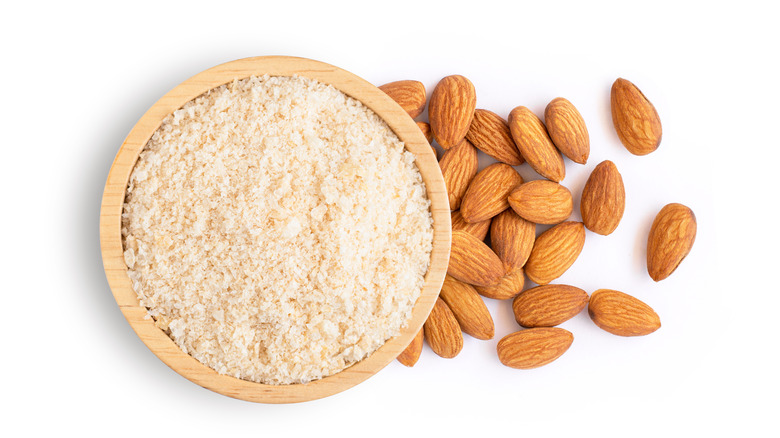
(277, 230)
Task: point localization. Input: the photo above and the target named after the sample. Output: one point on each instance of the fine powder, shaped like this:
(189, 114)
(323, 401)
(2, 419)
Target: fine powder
(277, 230)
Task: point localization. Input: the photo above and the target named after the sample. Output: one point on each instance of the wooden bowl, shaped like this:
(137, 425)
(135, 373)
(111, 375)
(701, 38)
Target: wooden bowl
(114, 195)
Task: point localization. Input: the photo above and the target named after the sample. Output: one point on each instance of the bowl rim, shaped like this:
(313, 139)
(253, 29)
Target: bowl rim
(114, 194)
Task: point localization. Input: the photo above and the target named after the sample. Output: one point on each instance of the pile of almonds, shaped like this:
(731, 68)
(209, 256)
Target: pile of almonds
(497, 201)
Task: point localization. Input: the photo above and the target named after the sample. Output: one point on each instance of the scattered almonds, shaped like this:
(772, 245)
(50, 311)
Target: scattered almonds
(495, 201)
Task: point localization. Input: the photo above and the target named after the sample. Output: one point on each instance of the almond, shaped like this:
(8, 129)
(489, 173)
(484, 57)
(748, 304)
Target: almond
(603, 199)
(621, 314)
(442, 331)
(469, 309)
(512, 239)
(532, 348)
(426, 130)
(567, 130)
(409, 94)
(476, 229)
(411, 354)
(490, 134)
(458, 167)
(473, 262)
(635, 118)
(488, 192)
(542, 202)
(508, 287)
(670, 240)
(535, 144)
(549, 305)
(555, 251)
(451, 109)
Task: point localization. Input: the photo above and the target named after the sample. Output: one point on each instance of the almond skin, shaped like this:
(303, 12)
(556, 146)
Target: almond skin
(458, 167)
(535, 144)
(549, 305)
(603, 199)
(670, 240)
(451, 110)
(490, 133)
(442, 331)
(488, 192)
(411, 354)
(507, 288)
(512, 239)
(555, 251)
(469, 309)
(409, 94)
(567, 130)
(542, 202)
(621, 314)
(532, 348)
(476, 229)
(635, 118)
(473, 262)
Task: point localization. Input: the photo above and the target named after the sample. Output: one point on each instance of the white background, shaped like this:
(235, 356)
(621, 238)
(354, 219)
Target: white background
(77, 77)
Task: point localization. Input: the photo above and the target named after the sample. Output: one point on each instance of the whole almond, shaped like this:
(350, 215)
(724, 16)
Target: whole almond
(490, 134)
(535, 144)
(473, 262)
(603, 199)
(476, 229)
(555, 251)
(469, 309)
(488, 192)
(621, 314)
(548, 305)
(635, 118)
(508, 287)
(411, 354)
(409, 94)
(426, 130)
(512, 239)
(458, 167)
(670, 240)
(542, 202)
(451, 110)
(532, 348)
(567, 130)
(442, 331)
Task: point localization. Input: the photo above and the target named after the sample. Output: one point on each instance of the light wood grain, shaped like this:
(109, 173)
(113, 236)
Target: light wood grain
(111, 240)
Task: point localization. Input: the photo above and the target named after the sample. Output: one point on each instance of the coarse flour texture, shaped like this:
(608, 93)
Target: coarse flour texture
(277, 230)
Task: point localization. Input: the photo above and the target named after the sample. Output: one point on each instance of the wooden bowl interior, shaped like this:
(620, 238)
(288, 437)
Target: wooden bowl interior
(114, 195)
